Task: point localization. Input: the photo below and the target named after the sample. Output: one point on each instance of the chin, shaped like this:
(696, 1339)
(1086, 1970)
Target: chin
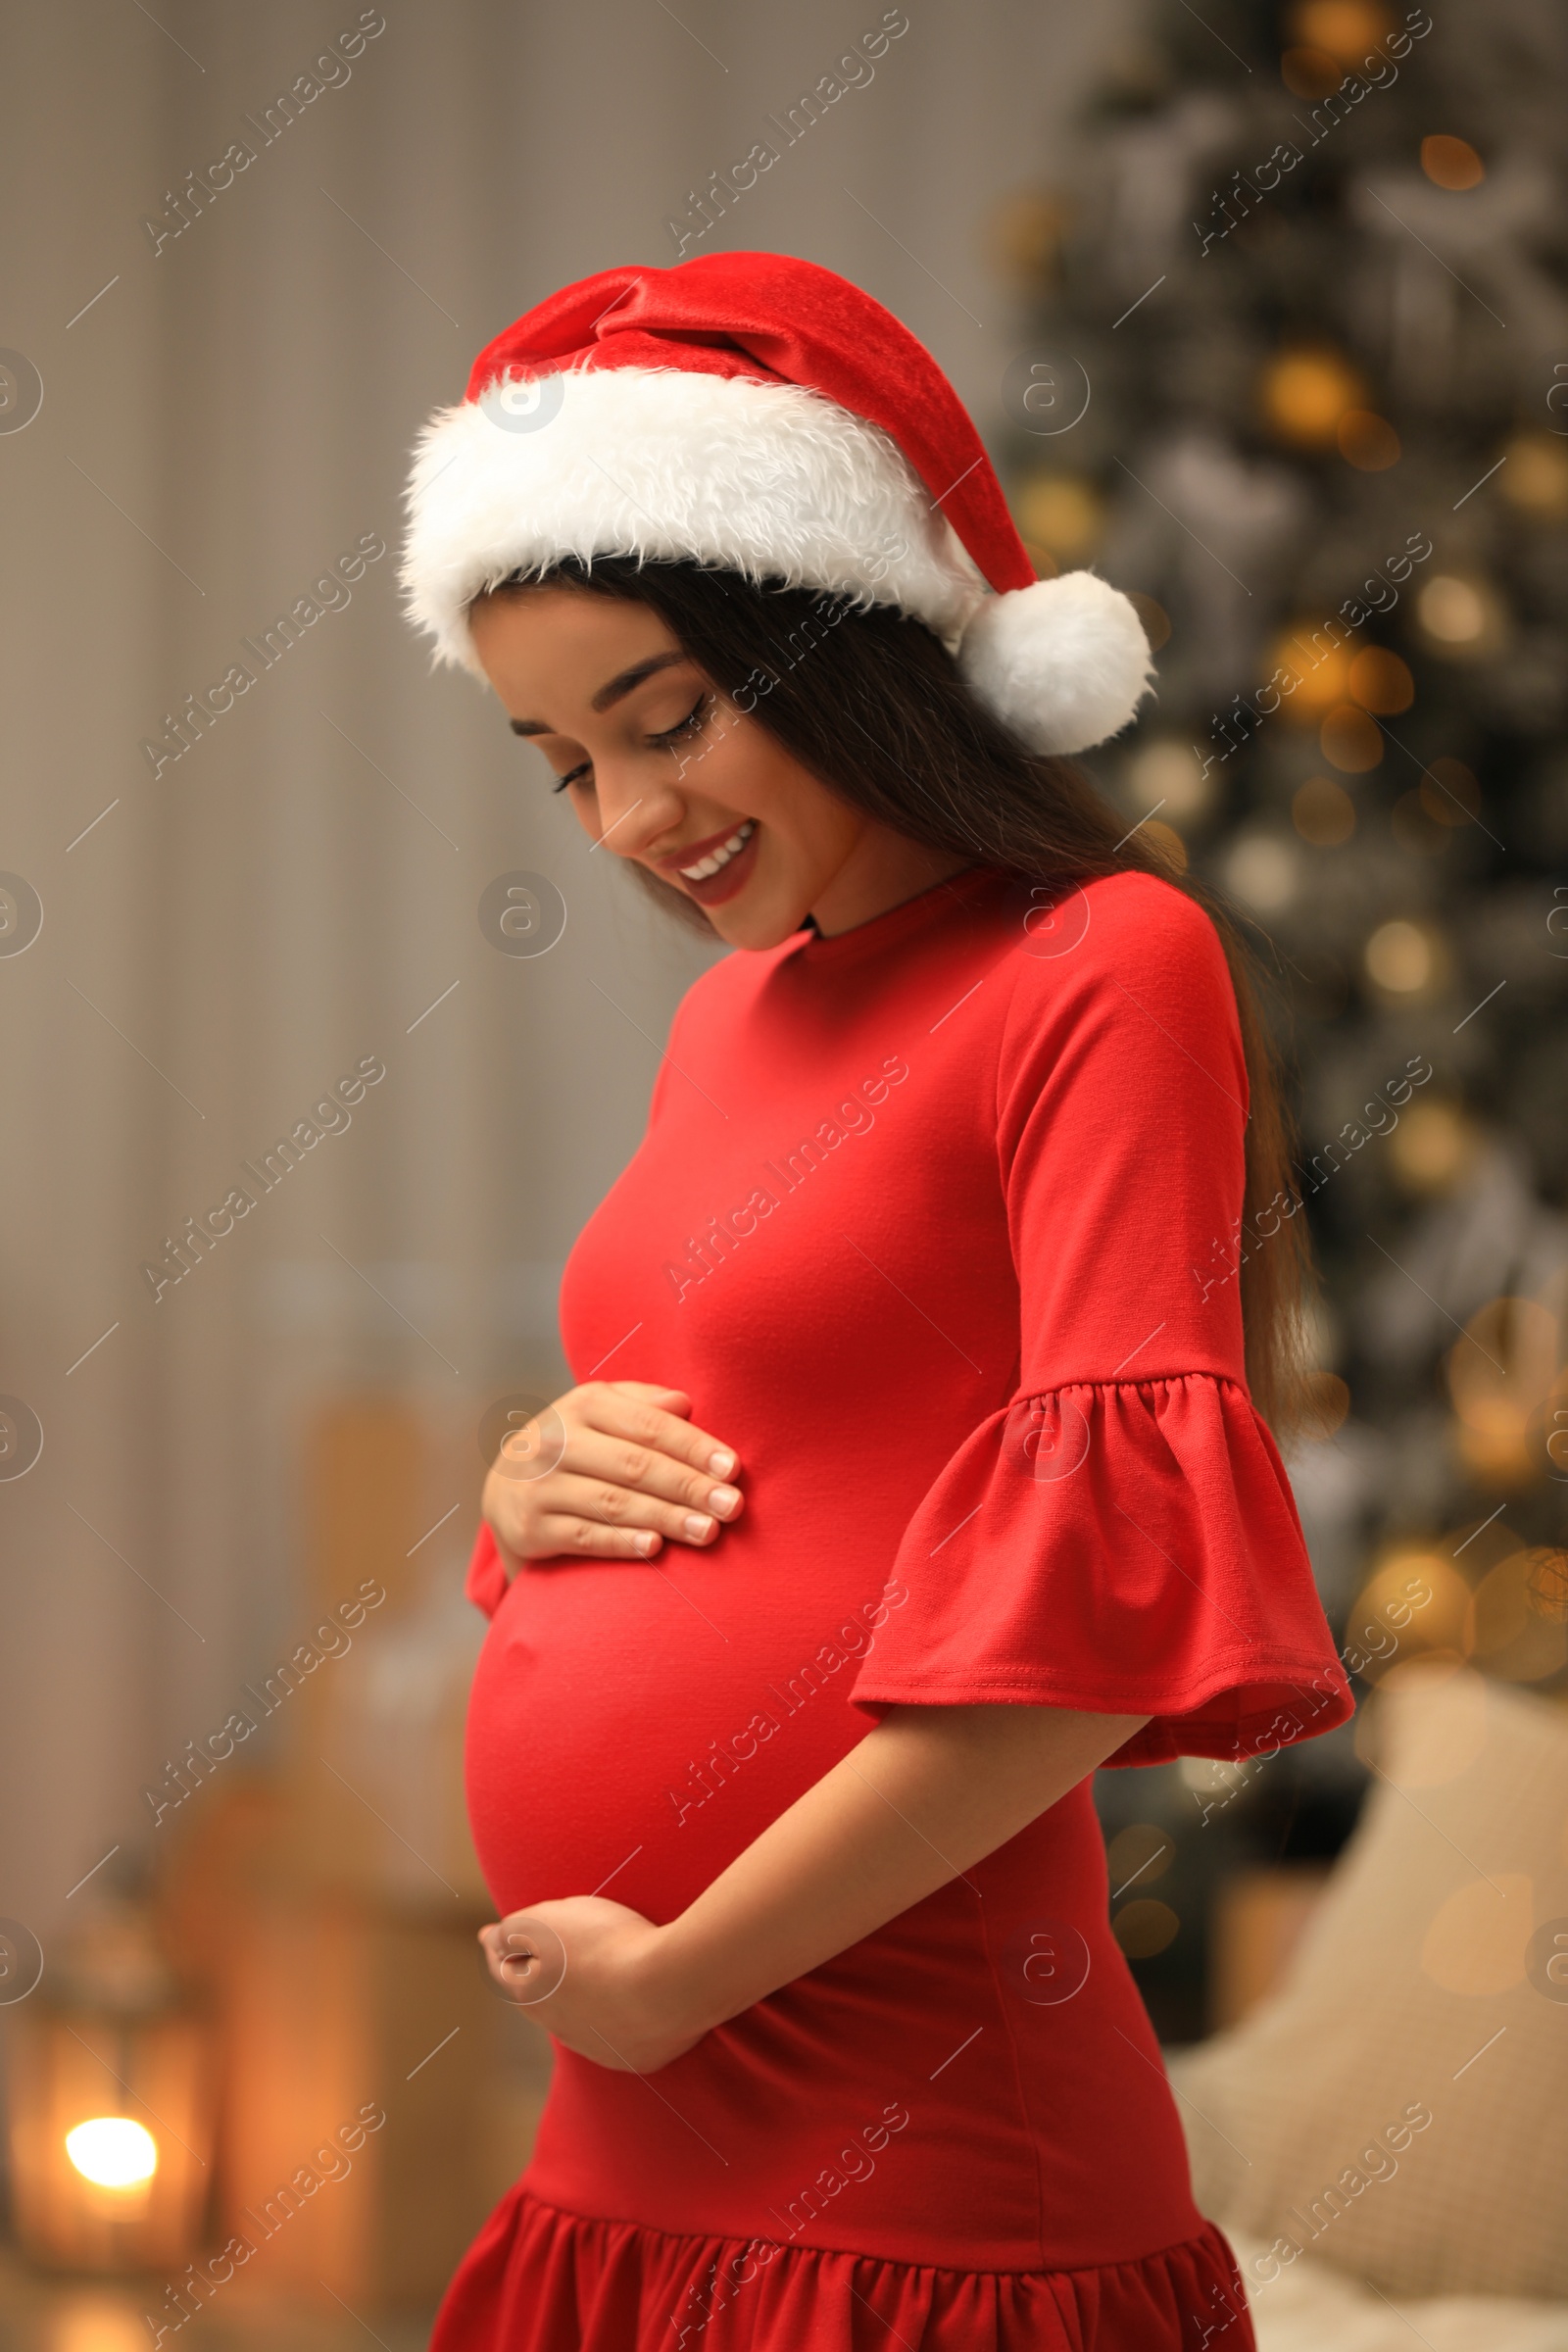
(755, 909)
(756, 928)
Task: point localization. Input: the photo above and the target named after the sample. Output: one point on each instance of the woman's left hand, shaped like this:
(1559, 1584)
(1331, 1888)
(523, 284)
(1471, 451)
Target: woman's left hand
(589, 1972)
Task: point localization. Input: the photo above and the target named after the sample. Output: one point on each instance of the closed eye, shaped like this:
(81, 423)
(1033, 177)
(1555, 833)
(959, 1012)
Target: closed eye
(691, 724)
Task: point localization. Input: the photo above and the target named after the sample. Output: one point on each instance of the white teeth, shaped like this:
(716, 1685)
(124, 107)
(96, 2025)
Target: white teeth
(715, 858)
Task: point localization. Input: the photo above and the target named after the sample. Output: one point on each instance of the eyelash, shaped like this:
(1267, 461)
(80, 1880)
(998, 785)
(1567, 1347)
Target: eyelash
(691, 724)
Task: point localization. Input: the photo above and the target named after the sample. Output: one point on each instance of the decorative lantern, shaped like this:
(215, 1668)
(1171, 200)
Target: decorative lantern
(109, 2106)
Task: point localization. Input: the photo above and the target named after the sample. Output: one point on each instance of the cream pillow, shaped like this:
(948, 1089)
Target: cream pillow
(1309, 2307)
(1399, 2108)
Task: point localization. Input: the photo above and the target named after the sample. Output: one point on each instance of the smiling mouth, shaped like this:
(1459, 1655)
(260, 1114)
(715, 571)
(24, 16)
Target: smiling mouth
(718, 859)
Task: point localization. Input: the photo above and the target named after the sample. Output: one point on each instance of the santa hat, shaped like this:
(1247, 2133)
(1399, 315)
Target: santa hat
(760, 414)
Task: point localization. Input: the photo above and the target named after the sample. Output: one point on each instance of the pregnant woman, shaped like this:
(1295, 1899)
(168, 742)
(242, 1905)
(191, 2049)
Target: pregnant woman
(913, 1469)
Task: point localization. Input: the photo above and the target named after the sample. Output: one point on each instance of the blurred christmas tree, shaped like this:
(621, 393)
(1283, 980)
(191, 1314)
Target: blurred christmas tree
(1300, 377)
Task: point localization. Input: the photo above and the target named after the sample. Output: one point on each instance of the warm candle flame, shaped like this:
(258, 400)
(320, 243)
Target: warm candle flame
(112, 2151)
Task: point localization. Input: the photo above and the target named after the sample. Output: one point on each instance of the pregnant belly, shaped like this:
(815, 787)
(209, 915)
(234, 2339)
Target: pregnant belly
(633, 1728)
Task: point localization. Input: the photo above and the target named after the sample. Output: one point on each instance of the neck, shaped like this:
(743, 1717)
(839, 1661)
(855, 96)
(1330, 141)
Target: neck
(881, 872)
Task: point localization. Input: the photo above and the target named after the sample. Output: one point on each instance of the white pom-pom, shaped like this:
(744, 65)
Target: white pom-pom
(1065, 664)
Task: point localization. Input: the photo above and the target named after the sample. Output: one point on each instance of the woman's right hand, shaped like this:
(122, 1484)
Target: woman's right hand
(608, 1472)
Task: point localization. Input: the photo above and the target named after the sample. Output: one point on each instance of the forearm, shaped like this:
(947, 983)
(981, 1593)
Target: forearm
(920, 1800)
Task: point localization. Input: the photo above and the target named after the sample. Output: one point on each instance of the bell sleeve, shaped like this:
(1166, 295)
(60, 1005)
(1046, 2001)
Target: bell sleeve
(1119, 1536)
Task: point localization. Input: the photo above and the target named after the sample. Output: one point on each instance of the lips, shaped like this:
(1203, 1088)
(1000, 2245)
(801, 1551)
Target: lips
(702, 868)
(729, 855)
(692, 853)
(732, 871)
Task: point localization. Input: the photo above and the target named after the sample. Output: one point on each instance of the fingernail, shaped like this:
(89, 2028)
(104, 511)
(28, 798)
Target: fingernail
(647, 1543)
(723, 1500)
(722, 1462)
(698, 1527)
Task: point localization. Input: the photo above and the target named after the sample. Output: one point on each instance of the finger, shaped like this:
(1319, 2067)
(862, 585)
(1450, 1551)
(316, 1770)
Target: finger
(624, 1462)
(530, 1959)
(618, 1416)
(603, 1500)
(559, 1534)
(503, 1941)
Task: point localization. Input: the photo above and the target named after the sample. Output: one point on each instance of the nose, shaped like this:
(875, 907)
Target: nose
(636, 806)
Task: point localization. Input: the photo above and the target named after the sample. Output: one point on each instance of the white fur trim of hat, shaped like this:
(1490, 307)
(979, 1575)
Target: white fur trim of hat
(771, 480)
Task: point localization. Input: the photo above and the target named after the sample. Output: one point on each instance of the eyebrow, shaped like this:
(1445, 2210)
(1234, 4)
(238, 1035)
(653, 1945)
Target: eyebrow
(616, 690)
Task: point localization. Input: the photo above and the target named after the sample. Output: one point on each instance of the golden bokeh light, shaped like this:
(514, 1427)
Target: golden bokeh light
(1379, 681)
(1311, 73)
(1390, 1619)
(1169, 771)
(1305, 392)
(1323, 813)
(1024, 235)
(1401, 958)
(1367, 441)
(1450, 163)
(1142, 1851)
(1153, 617)
(1450, 793)
(1061, 512)
(1535, 478)
(113, 2152)
(1510, 1636)
(1431, 1147)
(1144, 1926)
(1350, 739)
(1263, 869)
(1500, 1375)
(1325, 1405)
(1321, 670)
(1346, 29)
(1546, 1581)
(1459, 615)
(1166, 843)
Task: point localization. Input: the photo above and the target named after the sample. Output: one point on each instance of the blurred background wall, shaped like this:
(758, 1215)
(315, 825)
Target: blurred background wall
(232, 412)
(213, 371)
(1248, 321)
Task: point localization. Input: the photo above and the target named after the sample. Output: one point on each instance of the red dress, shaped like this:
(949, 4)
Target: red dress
(932, 1220)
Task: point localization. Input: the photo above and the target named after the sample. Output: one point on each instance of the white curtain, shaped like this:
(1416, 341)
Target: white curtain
(226, 412)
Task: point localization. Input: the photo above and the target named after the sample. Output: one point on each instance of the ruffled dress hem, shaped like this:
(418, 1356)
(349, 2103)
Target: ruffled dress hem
(541, 2280)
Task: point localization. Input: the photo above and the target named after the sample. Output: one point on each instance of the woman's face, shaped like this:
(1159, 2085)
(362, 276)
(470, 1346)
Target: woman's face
(662, 768)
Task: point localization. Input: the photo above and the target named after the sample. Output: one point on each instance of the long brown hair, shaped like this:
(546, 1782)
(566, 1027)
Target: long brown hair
(874, 706)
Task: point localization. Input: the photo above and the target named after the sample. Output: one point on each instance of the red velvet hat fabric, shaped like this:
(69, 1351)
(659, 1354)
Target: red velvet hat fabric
(772, 317)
